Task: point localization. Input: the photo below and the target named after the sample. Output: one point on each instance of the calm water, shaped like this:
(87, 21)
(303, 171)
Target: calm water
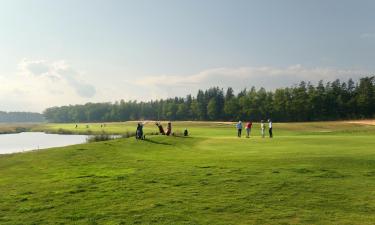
(10, 143)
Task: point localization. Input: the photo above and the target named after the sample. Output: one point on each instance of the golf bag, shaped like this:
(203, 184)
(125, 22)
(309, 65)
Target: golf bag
(169, 129)
(161, 129)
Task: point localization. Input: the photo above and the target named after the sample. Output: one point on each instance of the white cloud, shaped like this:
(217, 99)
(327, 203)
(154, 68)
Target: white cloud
(242, 77)
(39, 84)
(37, 67)
(58, 71)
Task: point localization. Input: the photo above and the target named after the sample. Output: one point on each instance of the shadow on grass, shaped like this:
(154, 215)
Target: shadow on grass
(156, 142)
(180, 136)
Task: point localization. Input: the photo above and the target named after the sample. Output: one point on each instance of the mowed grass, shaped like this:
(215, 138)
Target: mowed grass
(310, 173)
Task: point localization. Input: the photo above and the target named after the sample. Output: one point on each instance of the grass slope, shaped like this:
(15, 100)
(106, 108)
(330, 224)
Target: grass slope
(310, 173)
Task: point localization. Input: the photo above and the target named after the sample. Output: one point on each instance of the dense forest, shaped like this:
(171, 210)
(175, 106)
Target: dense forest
(304, 102)
(20, 117)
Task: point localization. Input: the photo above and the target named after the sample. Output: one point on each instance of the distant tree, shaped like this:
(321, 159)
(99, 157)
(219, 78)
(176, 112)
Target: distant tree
(201, 105)
(231, 109)
(366, 96)
(304, 102)
(229, 94)
(194, 110)
(20, 117)
(182, 111)
(211, 109)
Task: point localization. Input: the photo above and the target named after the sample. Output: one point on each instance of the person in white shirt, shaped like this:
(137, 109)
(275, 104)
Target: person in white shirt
(239, 128)
(270, 128)
(262, 127)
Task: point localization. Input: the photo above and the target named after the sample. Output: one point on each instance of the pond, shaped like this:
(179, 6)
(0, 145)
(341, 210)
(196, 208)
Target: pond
(10, 143)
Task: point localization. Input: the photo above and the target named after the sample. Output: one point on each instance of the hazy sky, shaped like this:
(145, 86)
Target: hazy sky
(68, 52)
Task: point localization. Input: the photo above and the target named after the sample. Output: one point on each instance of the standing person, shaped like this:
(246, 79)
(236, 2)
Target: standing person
(270, 128)
(262, 127)
(139, 131)
(186, 132)
(248, 128)
(239, 128)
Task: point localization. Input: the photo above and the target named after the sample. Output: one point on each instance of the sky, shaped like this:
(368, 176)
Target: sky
(55, 53)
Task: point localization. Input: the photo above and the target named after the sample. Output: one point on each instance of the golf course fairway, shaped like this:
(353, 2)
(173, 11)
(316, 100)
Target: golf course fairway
(309, 173)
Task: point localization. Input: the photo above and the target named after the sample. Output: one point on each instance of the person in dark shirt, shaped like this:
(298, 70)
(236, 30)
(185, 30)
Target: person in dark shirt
(139, 131)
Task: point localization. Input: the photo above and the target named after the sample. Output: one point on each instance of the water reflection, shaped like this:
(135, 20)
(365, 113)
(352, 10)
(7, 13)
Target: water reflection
(10, 143)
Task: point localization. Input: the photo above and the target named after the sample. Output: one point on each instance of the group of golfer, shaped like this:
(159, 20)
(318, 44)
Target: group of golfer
(239, 126)
(249, 126)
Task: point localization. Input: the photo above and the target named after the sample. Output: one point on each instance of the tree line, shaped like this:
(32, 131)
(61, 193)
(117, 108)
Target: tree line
(20, 117)
(334, 100)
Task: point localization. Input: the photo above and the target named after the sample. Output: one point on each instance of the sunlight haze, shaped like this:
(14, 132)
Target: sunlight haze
(56, 53)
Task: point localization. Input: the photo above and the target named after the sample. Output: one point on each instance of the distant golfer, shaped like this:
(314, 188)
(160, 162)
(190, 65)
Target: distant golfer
(262, 127)
(248, 128)
(239, 128)
(270, 128)
(139, 131)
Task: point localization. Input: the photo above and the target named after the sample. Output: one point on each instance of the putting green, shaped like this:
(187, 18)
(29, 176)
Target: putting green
(310, 173)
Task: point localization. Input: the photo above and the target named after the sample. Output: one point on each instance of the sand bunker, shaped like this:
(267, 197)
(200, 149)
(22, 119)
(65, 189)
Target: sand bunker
(364, 122)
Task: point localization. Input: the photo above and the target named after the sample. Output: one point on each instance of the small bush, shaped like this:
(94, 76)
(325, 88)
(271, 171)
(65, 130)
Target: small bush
(64, 131)
(100, 137)
(21, 129)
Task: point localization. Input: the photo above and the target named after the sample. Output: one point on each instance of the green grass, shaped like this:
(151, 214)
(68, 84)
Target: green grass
(310, 173)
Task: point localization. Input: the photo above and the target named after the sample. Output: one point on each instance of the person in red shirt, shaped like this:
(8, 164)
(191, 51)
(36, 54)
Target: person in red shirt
(248, 128)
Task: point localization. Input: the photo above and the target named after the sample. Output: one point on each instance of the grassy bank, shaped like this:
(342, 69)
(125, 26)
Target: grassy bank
(310, 173)
(11, 128)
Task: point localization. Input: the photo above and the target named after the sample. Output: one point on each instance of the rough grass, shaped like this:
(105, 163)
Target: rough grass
(9, 128)
(302, 176)
(100, 137)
